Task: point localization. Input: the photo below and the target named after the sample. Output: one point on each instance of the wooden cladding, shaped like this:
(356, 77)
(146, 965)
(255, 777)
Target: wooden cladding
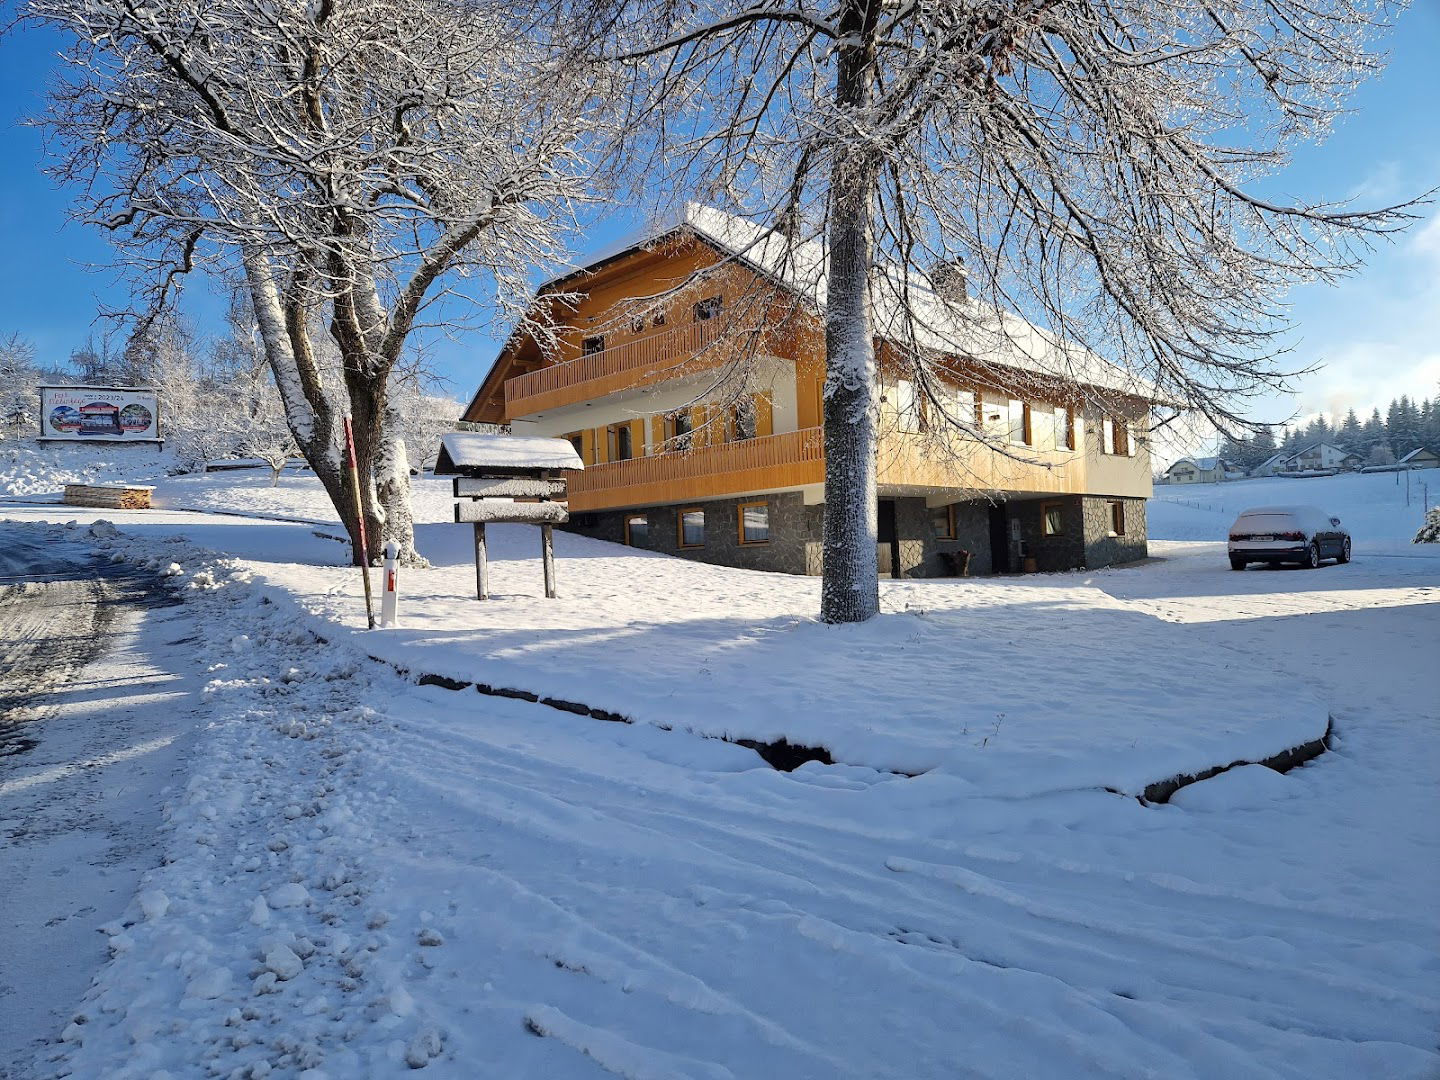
(620, 367)
(760, 464)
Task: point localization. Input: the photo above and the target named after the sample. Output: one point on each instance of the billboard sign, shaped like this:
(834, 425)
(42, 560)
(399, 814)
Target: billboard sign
(99, 413)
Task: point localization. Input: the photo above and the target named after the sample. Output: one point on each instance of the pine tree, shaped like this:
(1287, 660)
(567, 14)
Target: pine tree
(1351, 436)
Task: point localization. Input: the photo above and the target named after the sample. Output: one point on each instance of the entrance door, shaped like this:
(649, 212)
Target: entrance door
(887, 545)
(999, 540)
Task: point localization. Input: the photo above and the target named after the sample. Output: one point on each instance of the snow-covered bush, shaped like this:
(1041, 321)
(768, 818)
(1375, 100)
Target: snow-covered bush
(1430, 532)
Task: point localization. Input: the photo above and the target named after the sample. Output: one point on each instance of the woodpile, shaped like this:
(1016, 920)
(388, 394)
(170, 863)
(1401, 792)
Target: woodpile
(111, 498)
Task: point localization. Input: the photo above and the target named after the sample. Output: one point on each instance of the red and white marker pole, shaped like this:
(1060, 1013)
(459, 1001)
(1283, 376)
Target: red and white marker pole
(388, 591)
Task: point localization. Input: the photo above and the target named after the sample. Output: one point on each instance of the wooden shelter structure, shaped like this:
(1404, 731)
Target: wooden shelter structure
(514, 479)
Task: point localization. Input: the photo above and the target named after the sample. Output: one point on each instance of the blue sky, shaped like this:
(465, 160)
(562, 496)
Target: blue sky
(1377, 335)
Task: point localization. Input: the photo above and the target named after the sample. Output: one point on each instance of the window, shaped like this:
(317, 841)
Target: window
(691, 528)
(994, 416)
(907, 407)
(1117, 518)
(1052, 519)
(678, 427)
(943, 520)
(743, 419)
(637, 530)
(1068, 426)
(658, 319)
(709, 308)
(1121, 438)
(755, 523)
(1107, 436)
(578, 442)
(592, 345)
(1019, 422)
(637, 324)
(621, 442)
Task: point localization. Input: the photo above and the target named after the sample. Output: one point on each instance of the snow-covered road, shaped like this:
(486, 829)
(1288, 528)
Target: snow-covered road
(364, 876)
(92, 723)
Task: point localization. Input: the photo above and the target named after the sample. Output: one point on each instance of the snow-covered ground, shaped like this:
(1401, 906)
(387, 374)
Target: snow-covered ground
(364, 875)
(1375, 507)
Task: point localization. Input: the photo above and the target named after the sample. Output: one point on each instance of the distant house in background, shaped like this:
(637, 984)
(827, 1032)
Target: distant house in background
(1271, 465)
(1200, 470)
(1421, 457)
(1320, 456)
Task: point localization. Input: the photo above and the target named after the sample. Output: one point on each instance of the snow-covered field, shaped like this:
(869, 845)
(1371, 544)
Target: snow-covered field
(1373, 506)
(364, 875)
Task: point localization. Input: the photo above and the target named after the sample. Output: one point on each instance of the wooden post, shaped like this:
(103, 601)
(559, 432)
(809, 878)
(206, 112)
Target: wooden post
(547, 548)
(482, 567)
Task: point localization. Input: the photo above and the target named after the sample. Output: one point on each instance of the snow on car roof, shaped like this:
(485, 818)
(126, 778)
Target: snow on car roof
(1281, 510)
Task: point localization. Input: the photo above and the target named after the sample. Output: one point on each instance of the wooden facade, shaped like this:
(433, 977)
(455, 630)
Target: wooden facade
(640, 340)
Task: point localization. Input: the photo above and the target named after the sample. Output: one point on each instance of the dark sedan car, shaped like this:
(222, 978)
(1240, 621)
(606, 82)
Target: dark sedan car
(1295, 534)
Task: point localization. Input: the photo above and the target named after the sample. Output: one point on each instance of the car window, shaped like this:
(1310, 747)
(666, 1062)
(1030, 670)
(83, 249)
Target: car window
(1263, 523)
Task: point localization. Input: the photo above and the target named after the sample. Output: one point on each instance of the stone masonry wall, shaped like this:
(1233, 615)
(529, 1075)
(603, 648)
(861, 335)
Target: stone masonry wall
(1102, 549)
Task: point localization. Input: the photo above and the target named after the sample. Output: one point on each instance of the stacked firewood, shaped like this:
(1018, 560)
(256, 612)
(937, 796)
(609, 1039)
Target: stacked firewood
(112, 498)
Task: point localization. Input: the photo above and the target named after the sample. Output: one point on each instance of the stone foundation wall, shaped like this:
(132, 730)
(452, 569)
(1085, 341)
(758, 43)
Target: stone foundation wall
(1102, 549)
(797, 534)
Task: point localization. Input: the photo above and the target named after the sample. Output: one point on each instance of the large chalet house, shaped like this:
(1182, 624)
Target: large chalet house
(644, 331)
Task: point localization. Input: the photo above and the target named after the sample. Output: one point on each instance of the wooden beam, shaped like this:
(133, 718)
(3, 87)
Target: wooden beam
(517, 487)
(541, 513)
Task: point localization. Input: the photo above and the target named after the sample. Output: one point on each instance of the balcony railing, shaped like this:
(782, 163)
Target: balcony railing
(616, 368)
(790, 459)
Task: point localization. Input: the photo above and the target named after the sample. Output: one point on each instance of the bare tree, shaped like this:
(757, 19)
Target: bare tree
(350, 158)
(1099, 168)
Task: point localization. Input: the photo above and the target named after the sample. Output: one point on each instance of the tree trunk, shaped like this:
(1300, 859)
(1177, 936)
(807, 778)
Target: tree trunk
(849, 587)
(392, 488)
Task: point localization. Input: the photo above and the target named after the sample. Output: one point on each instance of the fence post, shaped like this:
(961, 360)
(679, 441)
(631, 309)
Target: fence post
(482, 568)
(388, 589)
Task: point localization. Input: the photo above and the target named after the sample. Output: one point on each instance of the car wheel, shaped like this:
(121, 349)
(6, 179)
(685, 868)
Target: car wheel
(1312, 557)
(1344, 555)
(1237, 564)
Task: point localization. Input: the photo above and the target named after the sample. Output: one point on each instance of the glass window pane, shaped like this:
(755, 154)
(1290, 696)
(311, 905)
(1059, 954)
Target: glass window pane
(1053, 522)
(637, 530)
(755, 523)
(692, 528)
(940, 518)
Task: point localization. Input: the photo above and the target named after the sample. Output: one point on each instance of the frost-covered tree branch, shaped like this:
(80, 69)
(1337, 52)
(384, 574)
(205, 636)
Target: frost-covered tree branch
(1105, 170)
(348, 158)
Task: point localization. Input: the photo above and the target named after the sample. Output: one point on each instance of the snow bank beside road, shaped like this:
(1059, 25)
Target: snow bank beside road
(1015, 687)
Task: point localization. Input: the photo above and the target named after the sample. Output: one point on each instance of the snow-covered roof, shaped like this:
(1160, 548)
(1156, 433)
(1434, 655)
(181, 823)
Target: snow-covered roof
(1275, 459)
(1318, 445)
(464, 450)
(962, 327)
(1416, 453)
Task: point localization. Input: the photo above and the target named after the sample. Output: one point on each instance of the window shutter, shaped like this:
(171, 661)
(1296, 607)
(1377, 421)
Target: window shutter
(637, 438)
(587, 444)
(764, 415)
(1107, 436)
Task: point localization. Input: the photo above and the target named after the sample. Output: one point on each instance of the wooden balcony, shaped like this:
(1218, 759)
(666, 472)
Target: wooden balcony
(775, 461)
(632, 363)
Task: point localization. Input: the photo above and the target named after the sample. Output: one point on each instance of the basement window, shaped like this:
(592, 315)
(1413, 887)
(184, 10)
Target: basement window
(1117, 518)
(755, 523)
(637, 530)
(1052, 519)
(691, 528)
(942, 518)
